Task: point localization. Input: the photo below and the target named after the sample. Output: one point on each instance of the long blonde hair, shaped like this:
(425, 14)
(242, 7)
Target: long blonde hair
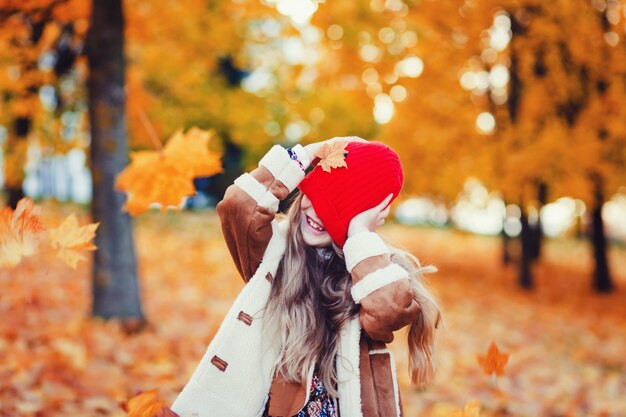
(310, 301)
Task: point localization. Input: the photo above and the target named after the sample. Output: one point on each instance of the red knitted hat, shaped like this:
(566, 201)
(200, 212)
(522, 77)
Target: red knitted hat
(374, 171)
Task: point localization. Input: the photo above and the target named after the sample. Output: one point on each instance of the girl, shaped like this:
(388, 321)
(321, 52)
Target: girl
(306, 336)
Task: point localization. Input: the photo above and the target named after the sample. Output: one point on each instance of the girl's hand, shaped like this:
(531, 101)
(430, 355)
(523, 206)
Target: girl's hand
(370, 219)
(312, 148)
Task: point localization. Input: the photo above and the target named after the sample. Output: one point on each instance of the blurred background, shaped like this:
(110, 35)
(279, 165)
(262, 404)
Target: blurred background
(509, 117)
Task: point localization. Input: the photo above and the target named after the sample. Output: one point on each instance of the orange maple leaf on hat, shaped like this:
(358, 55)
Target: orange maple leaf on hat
(165, 177)
(494, 361)
(332, 155)
(69, 238)
(20, 232)
(147, 404)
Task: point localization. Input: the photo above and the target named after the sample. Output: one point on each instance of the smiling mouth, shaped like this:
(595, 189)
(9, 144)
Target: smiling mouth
(314, 225)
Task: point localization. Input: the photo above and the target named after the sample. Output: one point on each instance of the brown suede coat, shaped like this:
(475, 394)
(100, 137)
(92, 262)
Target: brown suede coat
(247, 231)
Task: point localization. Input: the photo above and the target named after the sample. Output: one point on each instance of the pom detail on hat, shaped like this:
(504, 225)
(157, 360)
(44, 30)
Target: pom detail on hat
(373, 172)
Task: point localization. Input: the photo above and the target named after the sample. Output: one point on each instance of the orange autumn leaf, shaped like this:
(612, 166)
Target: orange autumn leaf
(20, 232)
(165, 178)
(494, 361)
(332, 155)
(150, 179)
(471, 409)
(70, 238)
(147, 404)
(144, 404)
(190, 151)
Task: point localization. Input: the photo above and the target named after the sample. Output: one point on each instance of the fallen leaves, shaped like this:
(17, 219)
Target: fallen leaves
(165, 177)
(332, 155)
(471, 409)
(494, 362)
(569, 355)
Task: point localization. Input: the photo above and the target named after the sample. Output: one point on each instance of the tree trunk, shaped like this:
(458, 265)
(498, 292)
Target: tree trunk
(602, 279)
(537, 234)
(506, 248)
(15, 194)
(526, 258)
(115, 287)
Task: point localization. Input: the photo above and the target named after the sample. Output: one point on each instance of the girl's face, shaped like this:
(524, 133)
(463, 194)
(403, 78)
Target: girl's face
(313, 231)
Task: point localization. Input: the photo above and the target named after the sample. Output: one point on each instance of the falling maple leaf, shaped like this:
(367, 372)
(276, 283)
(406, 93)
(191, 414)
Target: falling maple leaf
(70, 238)
(332, 155)
(471, 409)
(494, 361)
(191, 152)
(20, 232)
(151, 178)
(147, 404)
(166, 177)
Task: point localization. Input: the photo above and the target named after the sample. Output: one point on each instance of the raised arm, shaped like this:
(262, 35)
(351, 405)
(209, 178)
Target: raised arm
(381, 287)
(249, 205)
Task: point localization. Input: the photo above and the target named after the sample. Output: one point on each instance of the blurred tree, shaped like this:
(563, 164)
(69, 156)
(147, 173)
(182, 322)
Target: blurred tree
(115, 288)
(23, 30)
(556, 120)
(40, 41)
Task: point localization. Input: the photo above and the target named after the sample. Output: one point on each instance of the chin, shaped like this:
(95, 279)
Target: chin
(317, 243)
(314, 240)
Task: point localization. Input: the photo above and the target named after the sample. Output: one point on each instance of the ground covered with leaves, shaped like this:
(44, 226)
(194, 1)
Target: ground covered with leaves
(566, 345)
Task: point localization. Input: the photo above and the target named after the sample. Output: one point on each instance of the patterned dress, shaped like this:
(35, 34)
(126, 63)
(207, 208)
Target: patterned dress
(319, 405)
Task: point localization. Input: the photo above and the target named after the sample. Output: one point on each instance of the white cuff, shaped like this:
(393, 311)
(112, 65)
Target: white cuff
(282, 167)
(275, 160)
(291, 176)
(251, 186)
(361, 246)
(303, 157)
(270, 201)
(376, 280)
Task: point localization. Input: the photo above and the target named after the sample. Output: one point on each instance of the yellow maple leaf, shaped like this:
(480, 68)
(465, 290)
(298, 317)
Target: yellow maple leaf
(471, 409)
(494, 361)
(20, 232)
(166, 177)
(147, 404)
(70, 238)
(332, 155)
(190, 151)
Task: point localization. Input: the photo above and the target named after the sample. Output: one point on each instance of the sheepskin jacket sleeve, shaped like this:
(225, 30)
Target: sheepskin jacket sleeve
(249, 206)
(381, 287)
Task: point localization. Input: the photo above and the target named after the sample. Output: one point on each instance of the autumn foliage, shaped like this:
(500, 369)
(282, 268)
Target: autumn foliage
(165, 177)
(57, 362)
(22, 230)
(494, 361)
(558, 125)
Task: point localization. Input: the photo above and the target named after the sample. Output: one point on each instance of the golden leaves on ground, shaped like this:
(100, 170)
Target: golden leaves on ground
(494, 361)
(569, 359)
(21, 231)
(332, 155)
(69, 238)
(147, 404)
(166, 177)
(471, 409)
